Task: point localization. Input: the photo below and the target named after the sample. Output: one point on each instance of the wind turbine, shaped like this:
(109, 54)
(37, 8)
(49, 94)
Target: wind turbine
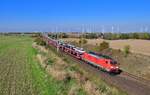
(82, 31)
(112, 29)
(142, 29)
(146, 29)
(103, 29)
(118, 29)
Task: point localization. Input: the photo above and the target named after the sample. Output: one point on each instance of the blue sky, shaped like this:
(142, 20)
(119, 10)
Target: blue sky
(44, 15)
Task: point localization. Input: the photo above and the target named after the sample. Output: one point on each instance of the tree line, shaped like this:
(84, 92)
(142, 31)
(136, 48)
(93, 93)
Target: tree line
(107, 36)
(116, 36)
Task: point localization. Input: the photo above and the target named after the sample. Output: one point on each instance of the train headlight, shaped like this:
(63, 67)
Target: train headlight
(111, 67)
(117, 67)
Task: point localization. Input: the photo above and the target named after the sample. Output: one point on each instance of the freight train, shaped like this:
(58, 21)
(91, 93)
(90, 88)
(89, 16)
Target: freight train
(101, 61)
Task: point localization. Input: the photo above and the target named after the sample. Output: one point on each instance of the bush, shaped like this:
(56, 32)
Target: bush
(39, 41)
(82, 41)
(104, 45)
(49, 62)
(126, 50)
(91, 35)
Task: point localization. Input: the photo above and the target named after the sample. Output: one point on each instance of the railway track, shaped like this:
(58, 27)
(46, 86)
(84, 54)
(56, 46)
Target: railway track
(127, 82)
(137, 78)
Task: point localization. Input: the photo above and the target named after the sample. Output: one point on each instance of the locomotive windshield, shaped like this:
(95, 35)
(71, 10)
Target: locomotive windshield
(105, 56)
(101, 55)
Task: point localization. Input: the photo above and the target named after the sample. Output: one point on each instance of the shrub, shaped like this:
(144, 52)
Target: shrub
(126, 50)
(49, 62)
(104, 45)
(91, 35)
(82, 41)
(39, 41)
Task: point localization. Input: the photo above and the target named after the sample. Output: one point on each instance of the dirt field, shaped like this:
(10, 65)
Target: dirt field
(137, 46)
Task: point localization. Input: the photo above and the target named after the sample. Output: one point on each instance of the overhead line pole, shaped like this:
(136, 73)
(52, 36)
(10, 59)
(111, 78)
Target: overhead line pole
(57, 39)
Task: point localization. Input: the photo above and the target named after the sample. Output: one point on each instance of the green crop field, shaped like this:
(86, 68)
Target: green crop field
(20, 73)
(17, 66)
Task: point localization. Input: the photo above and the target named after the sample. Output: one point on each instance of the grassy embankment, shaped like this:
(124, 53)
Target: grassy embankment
(62, 68)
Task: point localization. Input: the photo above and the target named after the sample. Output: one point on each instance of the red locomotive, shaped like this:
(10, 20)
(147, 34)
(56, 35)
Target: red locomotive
(99, 60)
